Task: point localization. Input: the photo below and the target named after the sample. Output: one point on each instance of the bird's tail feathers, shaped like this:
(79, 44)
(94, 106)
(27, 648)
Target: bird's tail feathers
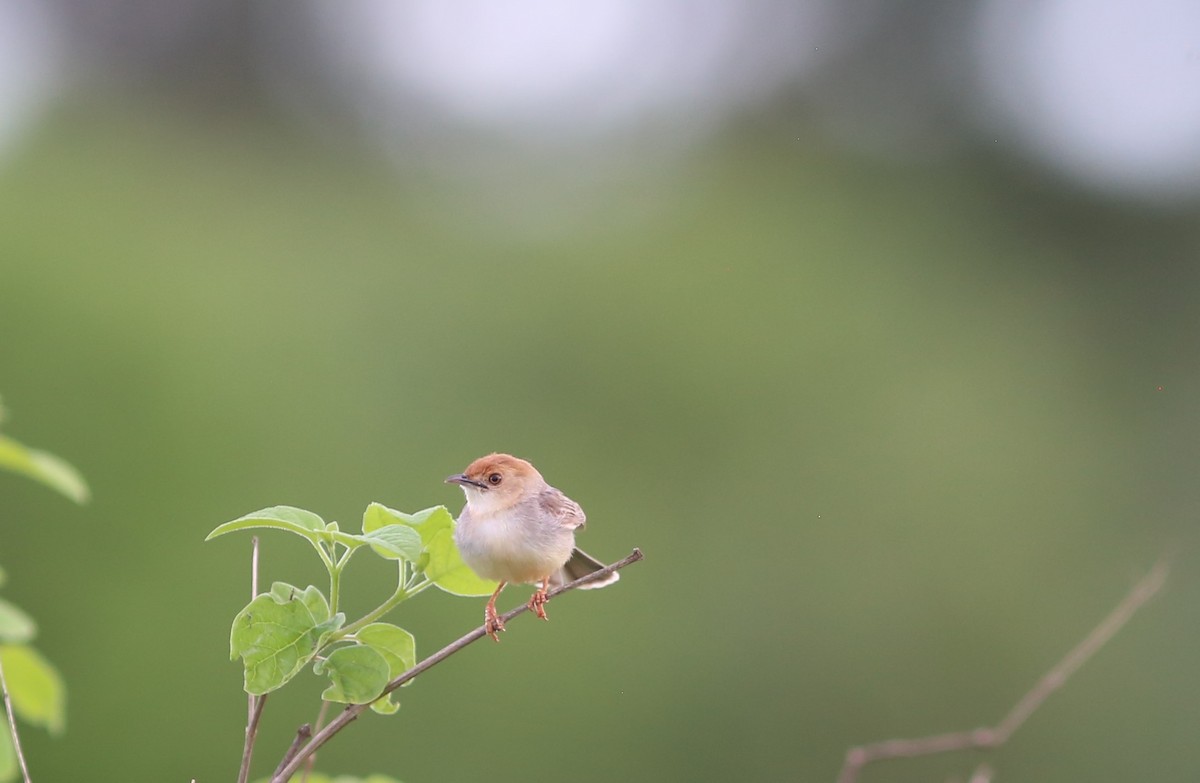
(580, 565)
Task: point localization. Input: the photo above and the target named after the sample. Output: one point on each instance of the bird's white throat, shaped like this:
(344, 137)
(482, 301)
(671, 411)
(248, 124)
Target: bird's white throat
(484, 503)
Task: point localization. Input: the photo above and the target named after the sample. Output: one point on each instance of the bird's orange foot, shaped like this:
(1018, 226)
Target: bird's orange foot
(492, 624)
(537, 603)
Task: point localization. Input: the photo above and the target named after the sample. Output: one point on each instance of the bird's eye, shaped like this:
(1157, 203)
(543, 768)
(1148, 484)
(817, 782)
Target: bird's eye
(495, 479)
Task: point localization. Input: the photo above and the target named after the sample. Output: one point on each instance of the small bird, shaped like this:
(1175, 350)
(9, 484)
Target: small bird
(517, 528)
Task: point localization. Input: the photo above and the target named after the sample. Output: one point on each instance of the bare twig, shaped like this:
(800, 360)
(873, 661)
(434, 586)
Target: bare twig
(284, 772)
(311, 762)
(302, 735)
(12, 726)
(992, 737)
(255, 704)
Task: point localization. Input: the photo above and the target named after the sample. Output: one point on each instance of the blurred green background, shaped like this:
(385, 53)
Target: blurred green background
(893, 431)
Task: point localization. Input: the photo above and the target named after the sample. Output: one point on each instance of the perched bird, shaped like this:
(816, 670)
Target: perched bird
(517, 528)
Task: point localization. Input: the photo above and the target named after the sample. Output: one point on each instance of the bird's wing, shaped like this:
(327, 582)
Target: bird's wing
(562, 508)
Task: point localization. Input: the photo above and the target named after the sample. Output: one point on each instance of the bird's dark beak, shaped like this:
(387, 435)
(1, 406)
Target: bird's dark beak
(460, 478)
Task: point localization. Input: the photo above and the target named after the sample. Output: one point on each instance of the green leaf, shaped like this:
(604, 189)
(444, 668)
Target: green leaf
(378, 515)
(44, 467)
(289, 518)
(448, 571)
(35, 686)
(398, 648)
(15, 625)
(395, 542)
(278, 633)
(440, 559)
(357, 674)
(396, 645)
(426, 522)
(385, 705)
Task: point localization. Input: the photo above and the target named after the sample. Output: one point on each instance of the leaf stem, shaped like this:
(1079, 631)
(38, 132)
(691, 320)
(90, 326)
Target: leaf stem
(402, 594)
(335, 579)
(319, 546)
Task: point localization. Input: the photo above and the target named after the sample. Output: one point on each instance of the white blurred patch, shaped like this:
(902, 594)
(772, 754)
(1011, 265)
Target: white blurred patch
(538, 106)
(1107, 91)
(28, 56)
(552, 68)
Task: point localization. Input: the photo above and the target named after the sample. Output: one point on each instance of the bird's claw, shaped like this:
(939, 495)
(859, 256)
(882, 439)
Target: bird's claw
(537, 603)
(492, 624)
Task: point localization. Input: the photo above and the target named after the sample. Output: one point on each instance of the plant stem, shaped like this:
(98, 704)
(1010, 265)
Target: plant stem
(256, 703)
(343, 719)
(251, 734)
(335, 588)
(402, 594)
(325, 557)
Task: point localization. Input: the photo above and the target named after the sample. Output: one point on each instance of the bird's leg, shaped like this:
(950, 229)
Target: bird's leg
(491, 620)
(537, 602)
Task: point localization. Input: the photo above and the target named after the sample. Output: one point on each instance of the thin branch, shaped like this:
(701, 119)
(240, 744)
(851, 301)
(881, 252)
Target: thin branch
(343, 719)
(12, 725)
(311, 761)
(302, 735)
(255, 704)
(993, 737)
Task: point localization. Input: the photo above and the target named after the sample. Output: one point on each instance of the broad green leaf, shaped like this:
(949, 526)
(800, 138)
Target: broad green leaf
(398, 648)
(294, 520)
(395, 542)
(35, 686)
(426, 522)
(440, 559)
(15, 625)
(44, 467)
(449, 572)
(278, 633)
(385, 705)
(378, 515)
(357, 674)
(313, 598)
(8, 759)
(396, 645)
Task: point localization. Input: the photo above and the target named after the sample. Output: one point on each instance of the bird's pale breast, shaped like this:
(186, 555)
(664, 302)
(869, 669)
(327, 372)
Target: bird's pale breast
(520, 544)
